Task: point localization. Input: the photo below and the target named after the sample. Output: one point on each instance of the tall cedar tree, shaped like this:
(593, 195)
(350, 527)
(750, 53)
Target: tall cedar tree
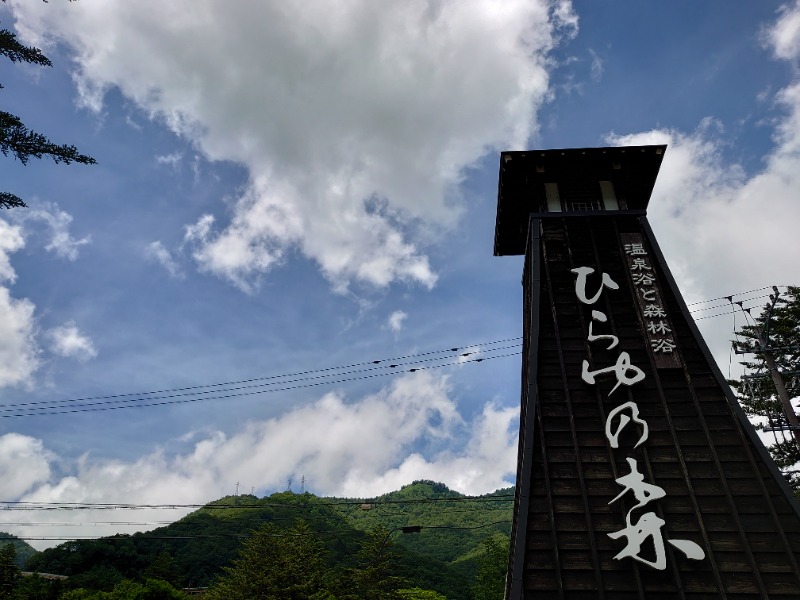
(276, 564)
(9, 572)
(373, 577)
(15, 138)
(758, 395)
(490, 582)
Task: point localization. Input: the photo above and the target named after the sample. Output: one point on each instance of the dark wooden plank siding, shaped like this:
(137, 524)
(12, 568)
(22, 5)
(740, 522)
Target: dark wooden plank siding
(721, 490)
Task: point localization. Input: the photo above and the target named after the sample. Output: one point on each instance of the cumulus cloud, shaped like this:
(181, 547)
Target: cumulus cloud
(19, 353)
(11, 240)
(494, 444)
(56, 227)
(24, 463)
(396, 320)
(349, 448)
(331, 107)
(68, 341)
(784, 36)
(19, 335)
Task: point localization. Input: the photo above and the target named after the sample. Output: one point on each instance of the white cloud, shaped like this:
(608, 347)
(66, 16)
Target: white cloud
(784, 35)
(19, 353)
(724, 232)
(18, 348)
(24, 463)
(358, 448)
(19, 344)
(11, 240)
(57, 223)
(157, 252)
(68, 341)
(396, 320)
(329, 106)
(486, 466)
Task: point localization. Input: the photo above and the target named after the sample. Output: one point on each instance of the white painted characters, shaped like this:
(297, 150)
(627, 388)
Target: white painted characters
(648, 525)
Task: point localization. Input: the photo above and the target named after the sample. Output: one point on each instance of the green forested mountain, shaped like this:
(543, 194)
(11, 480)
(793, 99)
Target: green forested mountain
(23, 550)
(440, 549)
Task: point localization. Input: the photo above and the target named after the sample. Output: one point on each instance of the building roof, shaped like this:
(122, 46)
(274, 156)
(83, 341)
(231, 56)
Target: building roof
(521, 190)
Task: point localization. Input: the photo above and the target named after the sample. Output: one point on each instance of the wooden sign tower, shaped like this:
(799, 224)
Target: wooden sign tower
(639, 476)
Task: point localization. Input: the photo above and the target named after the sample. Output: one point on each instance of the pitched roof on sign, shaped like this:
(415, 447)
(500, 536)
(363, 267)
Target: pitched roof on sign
(521, 190)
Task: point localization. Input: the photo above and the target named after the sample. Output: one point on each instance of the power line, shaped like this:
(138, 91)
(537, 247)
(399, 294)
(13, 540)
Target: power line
(390, 365)
(106, 405)
(445, 509)
(80, 524)
(144, 536)
(292, 381)
(29, 505)
(282, 376)
(729, 310)
(766, 287)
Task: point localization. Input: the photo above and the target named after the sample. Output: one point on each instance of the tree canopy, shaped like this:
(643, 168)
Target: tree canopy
(771, 344)
(490, 582)
(275, 563)
(15, 137)
(9, 571)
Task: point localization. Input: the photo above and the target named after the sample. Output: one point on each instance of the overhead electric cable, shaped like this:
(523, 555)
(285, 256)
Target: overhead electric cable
(766, 287)
(727, 305)
(82, 524)
(170, 399)
(31, 505)
(304, 379)
(285, 375)
(284, 378)
(145, 536)
(466, 527)
(726, 313)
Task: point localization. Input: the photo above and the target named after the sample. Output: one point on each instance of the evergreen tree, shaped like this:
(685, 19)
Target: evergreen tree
(373, 577)
(164, 567)
(276, 564)
(775, 332)
(492, 568)
(15, 138)
(9, 572)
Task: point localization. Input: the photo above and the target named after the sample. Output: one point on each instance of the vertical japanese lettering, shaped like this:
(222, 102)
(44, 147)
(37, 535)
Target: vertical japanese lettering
(647, 526)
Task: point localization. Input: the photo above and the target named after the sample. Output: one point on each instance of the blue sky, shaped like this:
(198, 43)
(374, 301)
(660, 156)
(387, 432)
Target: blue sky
(282, 190)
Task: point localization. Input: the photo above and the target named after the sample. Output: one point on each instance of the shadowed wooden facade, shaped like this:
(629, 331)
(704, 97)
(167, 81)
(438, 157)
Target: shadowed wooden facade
(625, 418)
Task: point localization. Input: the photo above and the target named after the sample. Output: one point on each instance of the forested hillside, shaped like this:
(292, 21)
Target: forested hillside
(425, 535)
(22, 549)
